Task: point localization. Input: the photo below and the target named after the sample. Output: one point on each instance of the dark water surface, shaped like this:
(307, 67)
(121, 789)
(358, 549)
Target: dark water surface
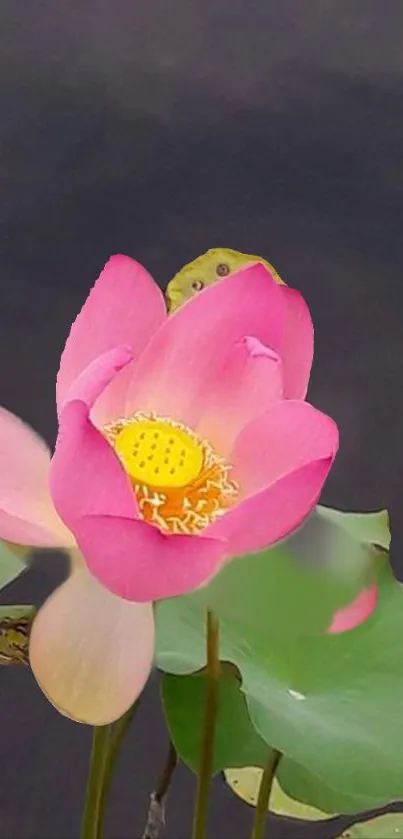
(160, 129)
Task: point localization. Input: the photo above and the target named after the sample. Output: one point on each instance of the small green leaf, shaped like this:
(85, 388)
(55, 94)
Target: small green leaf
(245, 783)
(16, 613)
(15, 625)
(388, 826)
(236, 742)
(12, 562)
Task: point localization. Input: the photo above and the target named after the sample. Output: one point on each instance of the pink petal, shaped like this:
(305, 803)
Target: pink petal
(290, 435)
(86, 476)
(136, 561)
(357, 612)
(93, 380)
(111, 404)
(281, 460)
(27, 515)
(125, 306)
(243, 388)
(90, 651)
(296, 348)
(175, 371)
(272, 514)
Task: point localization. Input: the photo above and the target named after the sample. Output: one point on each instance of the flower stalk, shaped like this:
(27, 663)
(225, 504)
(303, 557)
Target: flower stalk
(117, 734)
(93, 799)
(209, 725)
(106, 744)
(265, 788)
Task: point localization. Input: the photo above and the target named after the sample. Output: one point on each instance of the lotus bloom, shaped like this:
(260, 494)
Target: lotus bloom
(183, 441)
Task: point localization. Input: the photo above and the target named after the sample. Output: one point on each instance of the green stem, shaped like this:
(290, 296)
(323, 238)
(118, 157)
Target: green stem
(118, 731)
(262, 805)
(208, 732)
(166, 774)
(100, 742)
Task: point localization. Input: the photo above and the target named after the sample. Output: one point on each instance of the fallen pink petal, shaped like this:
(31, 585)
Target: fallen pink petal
(356, 612)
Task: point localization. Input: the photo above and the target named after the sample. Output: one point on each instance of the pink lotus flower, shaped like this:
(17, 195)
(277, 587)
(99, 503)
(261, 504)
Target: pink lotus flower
(183, 442)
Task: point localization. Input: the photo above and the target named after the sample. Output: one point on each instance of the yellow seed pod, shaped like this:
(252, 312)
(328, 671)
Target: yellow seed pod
(207, 269)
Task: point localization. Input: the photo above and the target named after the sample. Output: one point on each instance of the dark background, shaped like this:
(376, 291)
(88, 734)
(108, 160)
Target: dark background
(159, 128)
